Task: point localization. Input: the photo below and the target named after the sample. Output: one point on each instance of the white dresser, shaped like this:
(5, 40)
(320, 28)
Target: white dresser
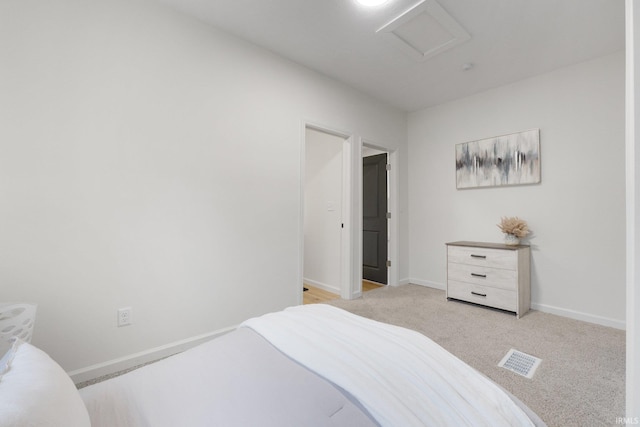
(490, 274)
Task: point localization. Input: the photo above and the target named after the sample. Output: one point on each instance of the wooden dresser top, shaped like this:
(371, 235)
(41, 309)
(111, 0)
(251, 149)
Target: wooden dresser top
(487, 245)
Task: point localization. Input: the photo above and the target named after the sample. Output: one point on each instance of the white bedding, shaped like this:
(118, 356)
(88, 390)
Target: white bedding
(421, 383)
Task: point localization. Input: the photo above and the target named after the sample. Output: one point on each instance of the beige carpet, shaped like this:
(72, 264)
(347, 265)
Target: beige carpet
(580, 381)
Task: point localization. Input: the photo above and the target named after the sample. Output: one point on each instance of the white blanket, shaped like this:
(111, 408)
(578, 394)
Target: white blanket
(400, 376)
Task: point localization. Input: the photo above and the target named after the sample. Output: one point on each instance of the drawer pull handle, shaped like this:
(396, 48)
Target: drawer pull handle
(479, 275)
(478, 294)
(478, 256)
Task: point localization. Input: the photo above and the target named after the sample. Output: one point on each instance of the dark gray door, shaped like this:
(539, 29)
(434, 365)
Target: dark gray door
(374, 218)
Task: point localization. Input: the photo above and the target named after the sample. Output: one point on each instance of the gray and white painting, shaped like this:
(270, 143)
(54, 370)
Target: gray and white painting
(502, 160)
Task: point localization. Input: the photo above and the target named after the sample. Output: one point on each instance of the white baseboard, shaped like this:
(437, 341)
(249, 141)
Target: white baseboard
(564, 312)
(404, 281)
(577, 315)
(356, 295)
(322, 286)
(132, 360)
(428, 284)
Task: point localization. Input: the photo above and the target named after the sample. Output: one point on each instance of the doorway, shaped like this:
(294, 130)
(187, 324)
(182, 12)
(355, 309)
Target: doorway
(375, 215)
(325, 204)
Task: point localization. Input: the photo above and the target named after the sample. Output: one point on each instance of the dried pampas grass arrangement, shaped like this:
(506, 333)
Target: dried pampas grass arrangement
(514, 226)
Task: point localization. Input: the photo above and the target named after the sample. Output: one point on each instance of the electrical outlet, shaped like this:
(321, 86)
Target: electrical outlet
(124, 316)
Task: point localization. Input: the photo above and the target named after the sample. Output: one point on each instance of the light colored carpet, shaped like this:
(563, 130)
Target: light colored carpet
(580, 381)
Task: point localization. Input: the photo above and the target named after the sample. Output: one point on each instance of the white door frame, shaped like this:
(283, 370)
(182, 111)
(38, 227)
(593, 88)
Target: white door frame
(346, 247)
(632, 155)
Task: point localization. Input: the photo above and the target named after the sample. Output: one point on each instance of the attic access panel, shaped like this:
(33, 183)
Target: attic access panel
(425, 30)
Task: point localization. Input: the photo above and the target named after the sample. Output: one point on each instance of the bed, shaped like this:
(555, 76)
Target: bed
(312, 365)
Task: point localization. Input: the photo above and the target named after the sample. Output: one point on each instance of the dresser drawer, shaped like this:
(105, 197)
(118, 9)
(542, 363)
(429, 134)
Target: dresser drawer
(485, 257)
(485, 276)
(485, 295)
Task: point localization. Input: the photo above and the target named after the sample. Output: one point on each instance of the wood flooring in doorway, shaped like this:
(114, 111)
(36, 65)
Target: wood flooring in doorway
(315, 295)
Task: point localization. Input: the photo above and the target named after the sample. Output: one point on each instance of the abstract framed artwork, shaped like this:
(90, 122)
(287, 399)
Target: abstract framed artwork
(512, 159)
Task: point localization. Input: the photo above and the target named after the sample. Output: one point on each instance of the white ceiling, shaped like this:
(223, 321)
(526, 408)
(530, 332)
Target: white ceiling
(510, 40)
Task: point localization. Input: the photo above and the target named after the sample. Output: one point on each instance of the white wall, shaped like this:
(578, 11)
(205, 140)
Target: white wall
(323, 210)
(577, 213)
(150, 161)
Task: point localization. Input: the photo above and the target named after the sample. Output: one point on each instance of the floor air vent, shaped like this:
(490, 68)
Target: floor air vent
(520, 363)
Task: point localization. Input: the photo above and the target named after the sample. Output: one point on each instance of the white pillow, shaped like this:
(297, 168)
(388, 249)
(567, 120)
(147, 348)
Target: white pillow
(36, 392)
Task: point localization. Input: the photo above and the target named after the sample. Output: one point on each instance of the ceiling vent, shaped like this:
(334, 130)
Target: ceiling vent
(425, 30)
